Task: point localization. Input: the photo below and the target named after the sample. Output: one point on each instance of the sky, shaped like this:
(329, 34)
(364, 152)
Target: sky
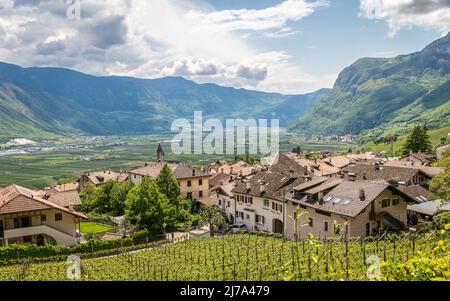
(284, 46)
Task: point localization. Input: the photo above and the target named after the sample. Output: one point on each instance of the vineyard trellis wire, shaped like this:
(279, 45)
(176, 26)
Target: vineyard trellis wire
(240, 257)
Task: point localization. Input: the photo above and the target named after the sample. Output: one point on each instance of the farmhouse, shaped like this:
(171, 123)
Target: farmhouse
(27, 218)
(354, 208)
(101, 178)
(194, 184)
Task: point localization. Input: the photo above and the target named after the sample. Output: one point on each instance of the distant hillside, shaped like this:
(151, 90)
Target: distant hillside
(43, 102)
(377, 95)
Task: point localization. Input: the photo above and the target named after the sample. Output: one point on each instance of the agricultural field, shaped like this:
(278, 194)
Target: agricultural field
(244, 257)
(50, 161)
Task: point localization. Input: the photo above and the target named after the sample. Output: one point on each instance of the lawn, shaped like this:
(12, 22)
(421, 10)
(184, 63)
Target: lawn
(97, 229)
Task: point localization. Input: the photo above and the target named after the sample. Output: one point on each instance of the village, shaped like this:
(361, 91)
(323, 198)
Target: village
(295, 195)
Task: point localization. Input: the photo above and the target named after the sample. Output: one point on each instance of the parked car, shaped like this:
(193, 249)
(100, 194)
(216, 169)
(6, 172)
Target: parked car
(239, 228)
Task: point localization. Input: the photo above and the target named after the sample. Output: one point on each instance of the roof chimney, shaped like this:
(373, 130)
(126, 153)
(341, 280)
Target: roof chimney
(262, 186)
(362, 194)
(193, 172)
(248, 185)
(221, 183)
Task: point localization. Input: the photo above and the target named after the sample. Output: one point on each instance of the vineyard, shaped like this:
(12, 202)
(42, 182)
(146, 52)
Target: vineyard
(245, 257)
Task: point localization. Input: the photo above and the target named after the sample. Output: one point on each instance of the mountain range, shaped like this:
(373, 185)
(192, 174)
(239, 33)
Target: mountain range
(46, 102)
(375, 96)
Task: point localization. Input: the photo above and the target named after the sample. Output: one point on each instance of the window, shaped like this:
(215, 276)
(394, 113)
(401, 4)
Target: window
(43, 218)
(395, 202)
(277, 207)
(385, 203)
(311, 222)
(220, 202)
(200, 182)
(250, 200)
(266, 203)
(260, 219)
(58, 217)
(189, 183)
(228, 204)
(337, 229)
(200, 194)
(247, 217)
(325, 226)
(189, 195)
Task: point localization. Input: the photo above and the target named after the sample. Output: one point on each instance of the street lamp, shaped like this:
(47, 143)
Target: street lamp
(164, 228)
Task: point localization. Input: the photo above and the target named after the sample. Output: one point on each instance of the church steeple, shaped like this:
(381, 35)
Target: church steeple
(160, 154)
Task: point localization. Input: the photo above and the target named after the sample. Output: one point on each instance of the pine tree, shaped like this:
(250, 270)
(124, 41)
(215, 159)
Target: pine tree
(168, 184)
(418, 140)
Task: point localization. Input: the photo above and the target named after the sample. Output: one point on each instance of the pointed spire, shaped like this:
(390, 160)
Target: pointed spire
(160, 154)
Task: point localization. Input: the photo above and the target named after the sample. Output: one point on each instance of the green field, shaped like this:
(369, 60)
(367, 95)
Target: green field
(435, 137)
(246, 258)
(43, 168)
(95, 228)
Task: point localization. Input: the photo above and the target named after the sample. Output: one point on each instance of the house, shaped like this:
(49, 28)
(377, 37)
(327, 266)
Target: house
(27, 218)
(194, 184)
(353, 208)
(99, 178)
(391, 174)
(319, 168)
(430, 171)
(426, 210)
(239, 168)
(260, 203)
(281, 163)
(225, 199)
(425, 159)
(69, 199)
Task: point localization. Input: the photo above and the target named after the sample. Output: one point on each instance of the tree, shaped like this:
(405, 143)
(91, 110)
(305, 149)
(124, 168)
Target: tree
(168, 185)
(213, 217)
(107, 199)
(297, 150)
(418, 140)
(390, 140)
(440, 185)
(147, 207)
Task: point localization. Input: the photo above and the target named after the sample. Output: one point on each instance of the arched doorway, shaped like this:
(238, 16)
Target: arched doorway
(40, 241)
(277, 226)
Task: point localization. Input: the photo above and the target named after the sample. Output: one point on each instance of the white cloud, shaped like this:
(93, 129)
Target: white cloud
(405, 14)
(157, 38)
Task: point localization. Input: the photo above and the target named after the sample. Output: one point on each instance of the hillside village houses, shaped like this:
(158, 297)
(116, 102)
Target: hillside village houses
(194, 184)
(27, 218)
(364, 197)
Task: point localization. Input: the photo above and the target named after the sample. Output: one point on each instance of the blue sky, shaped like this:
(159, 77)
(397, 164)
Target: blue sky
(287, 46)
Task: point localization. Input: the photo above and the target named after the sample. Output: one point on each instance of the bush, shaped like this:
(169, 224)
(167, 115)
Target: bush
(143, 236)
(443, 219)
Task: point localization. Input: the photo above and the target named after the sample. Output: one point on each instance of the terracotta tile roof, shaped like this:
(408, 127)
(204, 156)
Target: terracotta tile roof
(101, 177)
(14, 199)
(284, 164)
(417, 192)
(216, 179)
(65, 198)
(210, 200)
(330, 183)
(238, 168)
(345, 198)
(66, 187)
(428, 170)
(388, 173)
(318, 167)
(275, 185)
(309, 184)
(180, 171)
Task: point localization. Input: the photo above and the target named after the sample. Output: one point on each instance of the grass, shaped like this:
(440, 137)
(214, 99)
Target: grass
(95, 228)
(435, 137)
